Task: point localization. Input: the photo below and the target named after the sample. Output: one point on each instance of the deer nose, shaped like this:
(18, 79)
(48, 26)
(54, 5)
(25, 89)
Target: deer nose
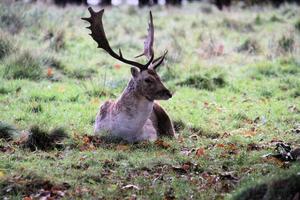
(167, 93)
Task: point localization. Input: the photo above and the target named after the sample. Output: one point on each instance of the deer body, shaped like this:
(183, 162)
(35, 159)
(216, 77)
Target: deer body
(134, 116)
(127, 117)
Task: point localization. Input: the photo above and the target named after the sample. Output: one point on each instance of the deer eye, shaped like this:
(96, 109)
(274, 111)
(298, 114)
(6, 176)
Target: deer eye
(148, 80)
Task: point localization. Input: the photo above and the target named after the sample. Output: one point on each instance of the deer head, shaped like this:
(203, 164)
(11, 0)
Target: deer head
(146, 80)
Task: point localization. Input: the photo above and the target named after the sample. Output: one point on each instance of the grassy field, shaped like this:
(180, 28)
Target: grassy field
(234, 74)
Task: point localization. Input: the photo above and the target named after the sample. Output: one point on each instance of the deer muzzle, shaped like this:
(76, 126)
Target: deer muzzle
(165, 94)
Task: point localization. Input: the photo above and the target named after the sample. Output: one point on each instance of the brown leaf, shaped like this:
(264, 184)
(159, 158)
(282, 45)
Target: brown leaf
(122, 147)
(249, 133)
(200, 152)
(49, 72)
(253, 147)
(220, 145)
(117, 66)
(184, 168)
(162, 144)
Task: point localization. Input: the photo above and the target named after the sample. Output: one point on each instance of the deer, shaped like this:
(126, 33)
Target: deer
(135, 115)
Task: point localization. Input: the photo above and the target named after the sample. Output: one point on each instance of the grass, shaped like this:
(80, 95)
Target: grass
(236, 93)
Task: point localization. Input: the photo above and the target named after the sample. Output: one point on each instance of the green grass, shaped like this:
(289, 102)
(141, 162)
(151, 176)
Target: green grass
(235, 78)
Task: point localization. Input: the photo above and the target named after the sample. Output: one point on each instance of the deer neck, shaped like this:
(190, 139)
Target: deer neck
(134, 106)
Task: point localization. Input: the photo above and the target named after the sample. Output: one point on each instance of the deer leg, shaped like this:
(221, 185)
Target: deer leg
(162, 122)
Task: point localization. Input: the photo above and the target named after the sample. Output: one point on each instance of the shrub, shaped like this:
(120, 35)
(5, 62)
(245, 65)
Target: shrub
(23, 65)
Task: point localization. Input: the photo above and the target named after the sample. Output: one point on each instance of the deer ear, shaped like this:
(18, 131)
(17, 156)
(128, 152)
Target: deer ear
(134, 72)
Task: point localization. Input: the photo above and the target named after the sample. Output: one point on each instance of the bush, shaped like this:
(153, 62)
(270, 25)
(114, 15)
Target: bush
(23, 65)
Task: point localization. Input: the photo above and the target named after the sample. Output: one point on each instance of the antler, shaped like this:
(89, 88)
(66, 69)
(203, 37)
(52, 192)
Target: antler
(148, 46)
(99, 36)
(148, 43)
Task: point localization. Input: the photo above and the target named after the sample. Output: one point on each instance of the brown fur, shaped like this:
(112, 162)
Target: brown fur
(161, 121)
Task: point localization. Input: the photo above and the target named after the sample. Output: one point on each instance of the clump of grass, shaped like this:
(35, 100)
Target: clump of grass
(54, 62)
(297, 25)
(286, 44)
(206, 8)
(179, 125)
(23, 66)
(205, 82)
(266, 93)
(80, 73)
(237, 25)
(56, 38)
(250, 45)
(42, 140)
(258, 20)
(285, 188)
(274, 18)
(97, 89)
(6, 46)
(4, 90)
(11, 22)
(7, 131)
(35, 108)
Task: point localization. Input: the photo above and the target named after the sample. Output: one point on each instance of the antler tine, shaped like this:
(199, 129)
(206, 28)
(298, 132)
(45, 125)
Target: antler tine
(159, 60)
(148, 43)
(98, 34)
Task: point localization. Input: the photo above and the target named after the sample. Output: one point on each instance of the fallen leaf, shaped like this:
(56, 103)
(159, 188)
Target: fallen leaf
(122, 147)
(130, 186)
(117, 66)
(49, 72)
(249, 133)
(220, 145)
(200, 152)
(162, 144)
(95, 101)
(169, 194)
(253, 147)
(61, 89)
(2, 174)
(184, 168)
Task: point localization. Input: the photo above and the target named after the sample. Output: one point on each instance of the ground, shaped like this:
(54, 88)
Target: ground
(235, 79)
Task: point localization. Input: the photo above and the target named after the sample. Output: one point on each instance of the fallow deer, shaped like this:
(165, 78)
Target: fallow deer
(134, 116)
